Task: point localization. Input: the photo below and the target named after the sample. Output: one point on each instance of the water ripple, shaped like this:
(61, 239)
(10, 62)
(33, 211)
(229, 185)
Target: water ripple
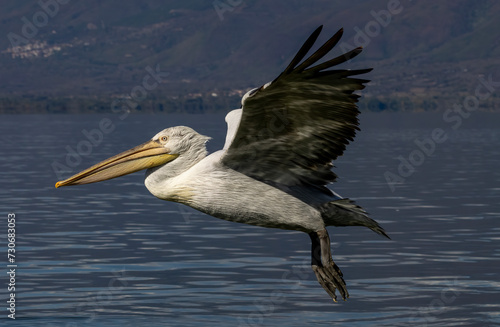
(111, 254)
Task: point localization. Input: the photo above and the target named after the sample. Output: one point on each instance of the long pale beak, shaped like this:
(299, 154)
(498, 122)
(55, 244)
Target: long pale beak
(147, 155)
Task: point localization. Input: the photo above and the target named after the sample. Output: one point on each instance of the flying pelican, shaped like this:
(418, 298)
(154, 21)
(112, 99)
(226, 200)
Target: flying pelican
(276, 161)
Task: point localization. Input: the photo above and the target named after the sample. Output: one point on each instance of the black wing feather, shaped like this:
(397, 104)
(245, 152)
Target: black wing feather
(304, 49)
(292, 129)
(322, 51)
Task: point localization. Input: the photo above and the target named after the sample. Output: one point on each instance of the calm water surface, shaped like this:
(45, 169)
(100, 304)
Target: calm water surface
(110, 254)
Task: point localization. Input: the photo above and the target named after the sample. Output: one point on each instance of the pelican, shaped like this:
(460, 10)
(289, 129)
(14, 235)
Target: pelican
(276, 162)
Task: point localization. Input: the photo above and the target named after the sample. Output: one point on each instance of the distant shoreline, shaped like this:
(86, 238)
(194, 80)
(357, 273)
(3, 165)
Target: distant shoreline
(213, 103)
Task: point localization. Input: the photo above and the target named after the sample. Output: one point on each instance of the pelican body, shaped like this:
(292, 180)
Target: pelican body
(276, 161)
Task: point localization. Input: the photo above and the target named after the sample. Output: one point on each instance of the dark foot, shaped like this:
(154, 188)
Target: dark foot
(327, 272)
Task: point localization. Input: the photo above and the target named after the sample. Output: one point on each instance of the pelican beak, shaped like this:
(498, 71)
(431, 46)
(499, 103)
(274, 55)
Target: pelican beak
(147, 155)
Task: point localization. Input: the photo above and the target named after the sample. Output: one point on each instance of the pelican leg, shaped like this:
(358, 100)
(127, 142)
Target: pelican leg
(327, 272)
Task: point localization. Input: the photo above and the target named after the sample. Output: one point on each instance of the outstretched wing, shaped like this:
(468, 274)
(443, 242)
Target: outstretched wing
(292, 128)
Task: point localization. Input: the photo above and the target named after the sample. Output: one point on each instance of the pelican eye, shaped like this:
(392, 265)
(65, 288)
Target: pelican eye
(164, 139)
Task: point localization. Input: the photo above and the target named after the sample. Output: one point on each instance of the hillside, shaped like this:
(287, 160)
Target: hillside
(78, 56)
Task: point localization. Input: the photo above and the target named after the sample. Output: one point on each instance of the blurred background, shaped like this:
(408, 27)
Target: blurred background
(74, 56)
(424, 165)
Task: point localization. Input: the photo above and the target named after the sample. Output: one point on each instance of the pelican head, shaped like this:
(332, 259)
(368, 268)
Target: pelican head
(168, 153)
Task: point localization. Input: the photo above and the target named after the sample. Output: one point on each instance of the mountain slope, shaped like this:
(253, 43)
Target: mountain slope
(96, 49)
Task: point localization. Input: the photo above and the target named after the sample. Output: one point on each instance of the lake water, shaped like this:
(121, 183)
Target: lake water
(111, 254)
